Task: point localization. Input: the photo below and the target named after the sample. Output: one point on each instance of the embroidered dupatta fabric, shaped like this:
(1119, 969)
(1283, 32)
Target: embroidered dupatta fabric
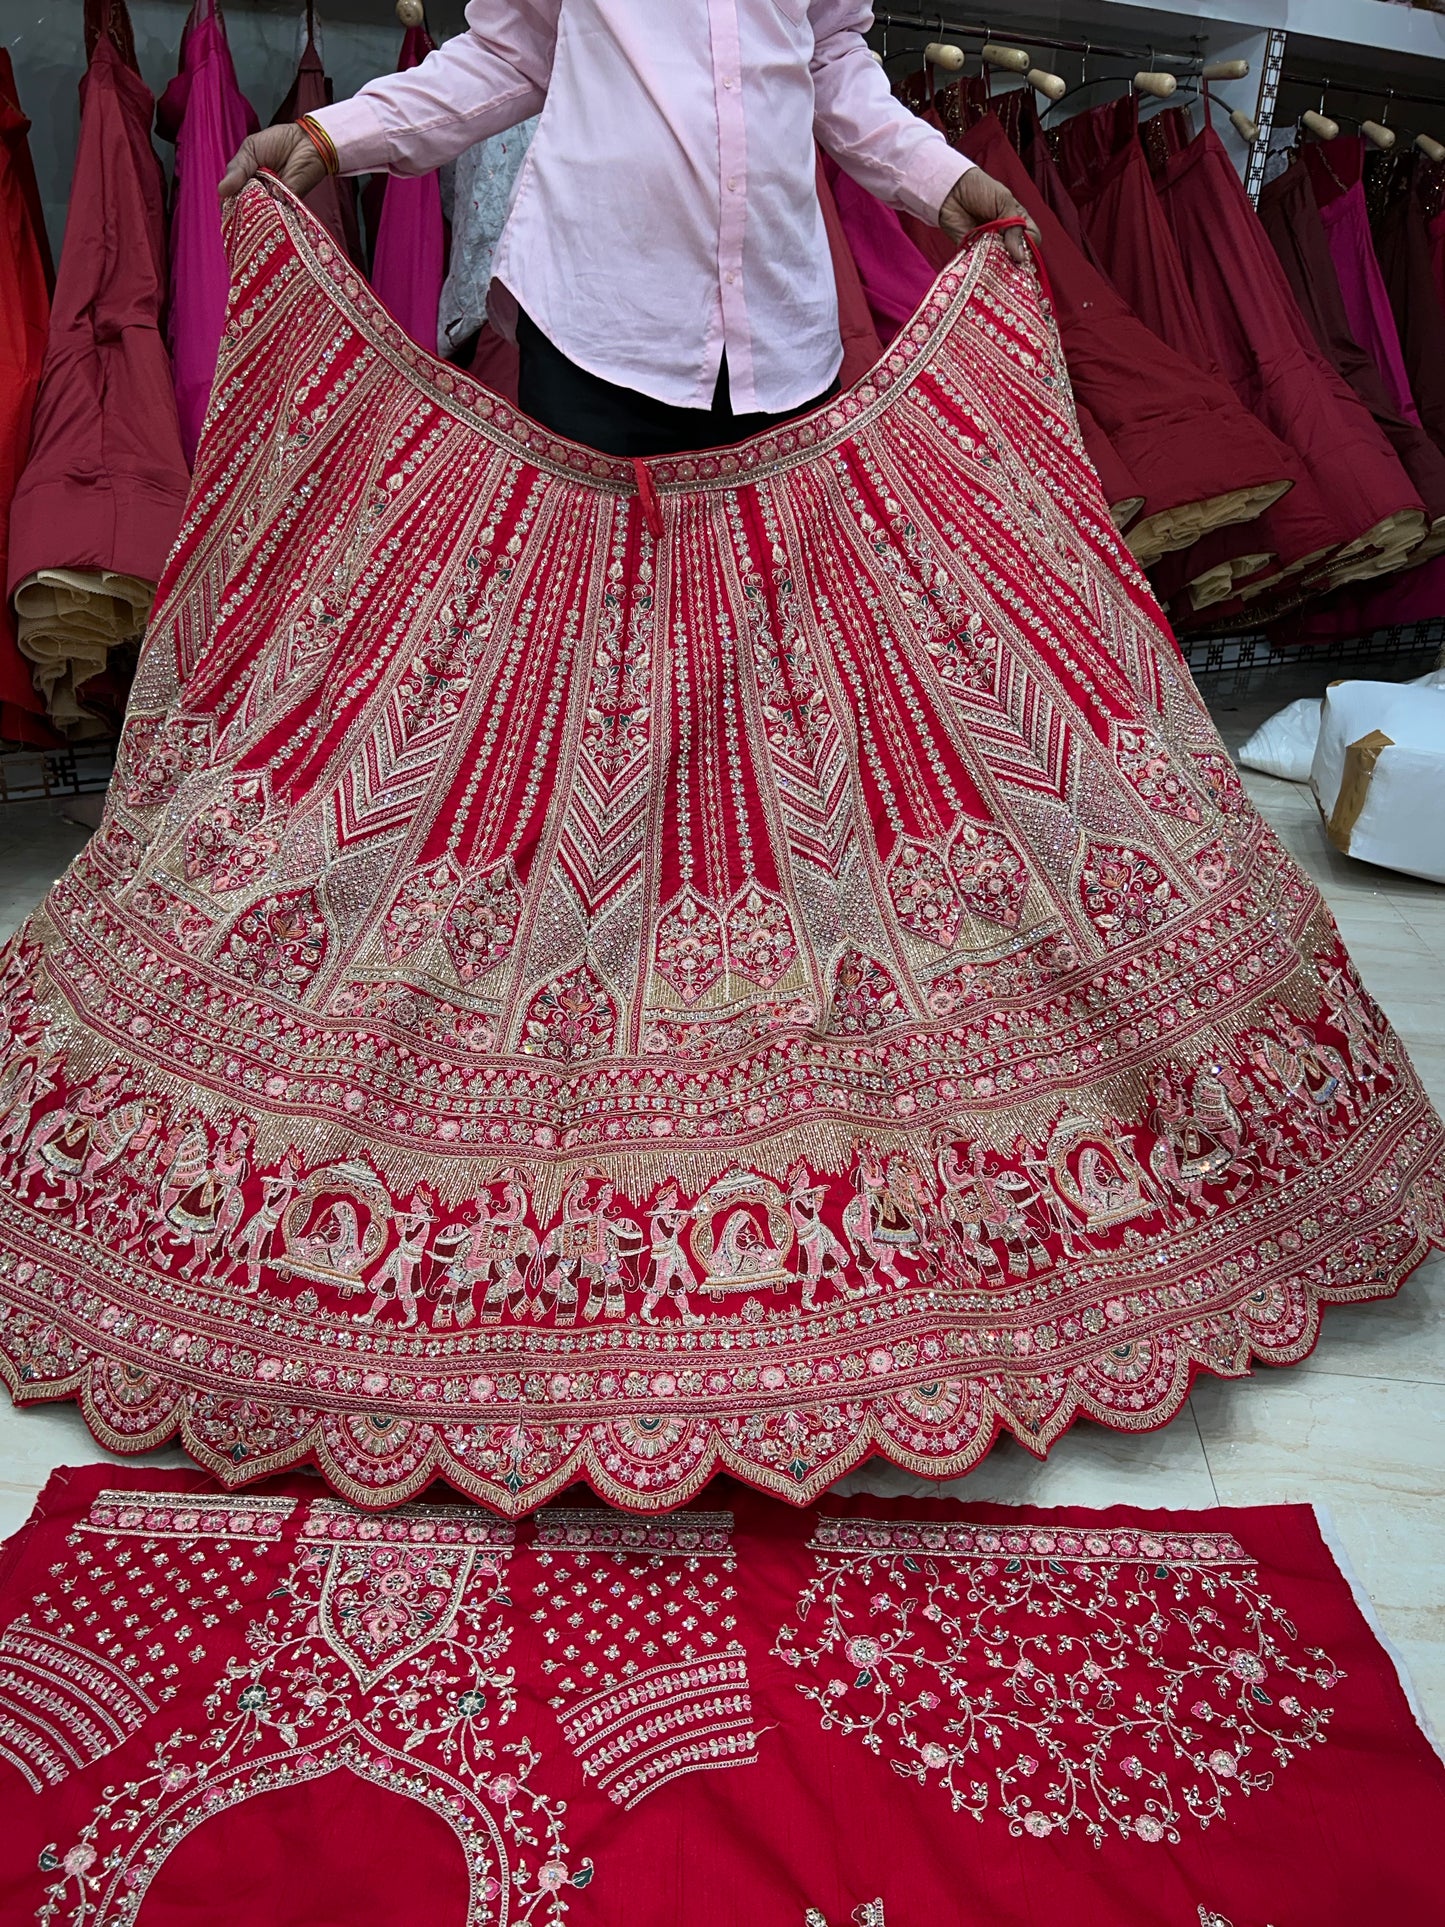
(548, 1000)
(274, 1710)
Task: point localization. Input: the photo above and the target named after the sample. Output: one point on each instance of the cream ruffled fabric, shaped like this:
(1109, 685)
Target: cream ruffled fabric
(67, 623)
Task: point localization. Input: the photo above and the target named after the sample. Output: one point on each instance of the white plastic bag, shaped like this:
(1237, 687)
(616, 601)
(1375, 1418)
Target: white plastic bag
(1379, 773)
(1285, 745)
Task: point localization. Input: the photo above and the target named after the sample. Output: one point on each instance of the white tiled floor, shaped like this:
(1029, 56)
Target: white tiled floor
(1359, 1427)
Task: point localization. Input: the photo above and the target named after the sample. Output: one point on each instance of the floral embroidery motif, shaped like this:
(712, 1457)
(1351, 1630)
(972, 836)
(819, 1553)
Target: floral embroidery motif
(870, 1914)
(228, 847)
(689, 946)
(1156, 774)
(380, 1648)
(1125, 893)
(865, 996)
(640, 1616)
(482, 923)
(760, 939)
(418, 908)
(923, 893)
(279, 944)
(571, 1019)
(992, 877)
(1189, 1679)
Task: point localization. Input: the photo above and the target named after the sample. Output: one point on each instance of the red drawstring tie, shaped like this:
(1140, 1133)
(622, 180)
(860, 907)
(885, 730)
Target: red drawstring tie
(647, 496)
(999, 227)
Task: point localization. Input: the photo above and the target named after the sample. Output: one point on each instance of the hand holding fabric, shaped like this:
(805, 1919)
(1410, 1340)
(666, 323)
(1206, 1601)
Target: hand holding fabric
(977, 197)
(287, 150)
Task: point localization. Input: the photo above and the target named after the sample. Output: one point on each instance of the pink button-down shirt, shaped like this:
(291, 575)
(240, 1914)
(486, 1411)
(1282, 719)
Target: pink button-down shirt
(667, 211)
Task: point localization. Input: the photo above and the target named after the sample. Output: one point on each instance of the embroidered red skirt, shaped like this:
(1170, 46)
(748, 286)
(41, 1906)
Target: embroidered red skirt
(273, 1708)
(550, 1000)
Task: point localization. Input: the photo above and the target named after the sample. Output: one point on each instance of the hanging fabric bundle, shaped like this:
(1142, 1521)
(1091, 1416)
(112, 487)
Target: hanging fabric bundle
(206, 115)
(1336, 170)
(409, 257)
(1291, 217)
(1268, 355)
(24, 318)
(1197, 455)
(332, 200)
(100, 499)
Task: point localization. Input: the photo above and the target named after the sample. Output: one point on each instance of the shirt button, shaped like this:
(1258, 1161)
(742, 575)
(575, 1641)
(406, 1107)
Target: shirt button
(732, 185)
(730, 279)
(727, 83)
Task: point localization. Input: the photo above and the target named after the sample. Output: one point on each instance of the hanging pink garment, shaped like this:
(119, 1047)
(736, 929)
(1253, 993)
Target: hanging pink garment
(24, 313)
(409, 264)
(1336, 170)
(861, 346)
(206, 115)
(895, 276)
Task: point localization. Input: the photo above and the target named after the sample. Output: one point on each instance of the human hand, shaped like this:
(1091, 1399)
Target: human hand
(977, 198)
(287, 150)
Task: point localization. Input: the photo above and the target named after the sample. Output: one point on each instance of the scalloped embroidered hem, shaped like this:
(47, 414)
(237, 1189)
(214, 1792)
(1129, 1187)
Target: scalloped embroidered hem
(553, 1001)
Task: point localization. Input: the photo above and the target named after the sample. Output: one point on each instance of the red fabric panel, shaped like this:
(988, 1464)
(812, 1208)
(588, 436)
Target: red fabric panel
(1265, 349)
(106, 480)
(293, 1715)
(1402, 242)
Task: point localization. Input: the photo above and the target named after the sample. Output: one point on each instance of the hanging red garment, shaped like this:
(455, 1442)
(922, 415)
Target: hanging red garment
(1402, 246)
(206, 115)
(861, 346)
(1018, 110)
(334, 200)
(100, 499)
(1194, 452)
(24, 317)
(599, 972)
(409, 257)
(954, 109)
(1264, 347)
(1290, 216)
(1102, 165)
(280, 1711)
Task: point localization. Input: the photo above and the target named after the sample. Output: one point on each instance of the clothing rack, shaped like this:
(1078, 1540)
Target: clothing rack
(939, 25)
(1323, 85)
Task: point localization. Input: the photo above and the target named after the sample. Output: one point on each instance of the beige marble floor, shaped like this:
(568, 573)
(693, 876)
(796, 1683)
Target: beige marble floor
(1359, 1427)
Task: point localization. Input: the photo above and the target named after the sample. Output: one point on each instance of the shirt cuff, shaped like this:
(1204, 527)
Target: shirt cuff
(935, 171)
(363, 145)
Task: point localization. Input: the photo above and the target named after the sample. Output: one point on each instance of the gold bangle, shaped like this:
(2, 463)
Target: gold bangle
(322, 142)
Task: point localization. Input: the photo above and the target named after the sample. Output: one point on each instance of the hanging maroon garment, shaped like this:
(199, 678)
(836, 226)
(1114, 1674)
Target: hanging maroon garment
(1290, 215)
(1018, 110)
(409, 260)
(333, 200)
(1337, 171)
(24, 315)
(1402, 245)
(861, 346)
(1269, 357)
(105, 483)
(1193, 450)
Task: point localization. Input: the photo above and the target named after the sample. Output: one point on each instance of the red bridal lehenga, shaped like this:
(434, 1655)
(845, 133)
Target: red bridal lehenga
(748, 964)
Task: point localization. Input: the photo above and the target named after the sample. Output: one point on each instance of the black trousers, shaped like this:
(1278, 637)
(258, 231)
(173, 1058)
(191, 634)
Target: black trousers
(619, 421)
